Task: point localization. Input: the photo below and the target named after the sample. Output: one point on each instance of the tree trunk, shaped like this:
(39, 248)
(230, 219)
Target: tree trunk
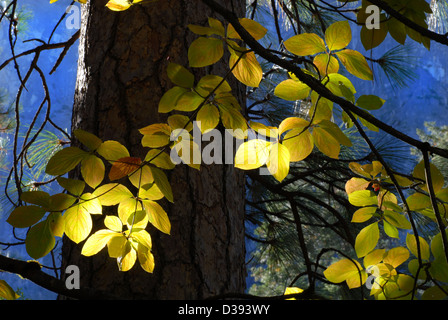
(121, 77)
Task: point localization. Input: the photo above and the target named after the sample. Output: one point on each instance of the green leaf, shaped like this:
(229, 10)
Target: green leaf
(338, 35)
(355, 63)
(205, 51)
(75, 187)
(292, 90)
(396, 219)
(370, 102)
(397, 30)
(40, 198)
(180, 76)
(92, 170)
(305, 44)
(61, 202)
(367, 239)
(65, 160)
(372, 38)
(161, 180)
(390, 230)
(157, 216)
(362, 198)
(88, 139)
(25, 216)
(437, 248)
(39, 240)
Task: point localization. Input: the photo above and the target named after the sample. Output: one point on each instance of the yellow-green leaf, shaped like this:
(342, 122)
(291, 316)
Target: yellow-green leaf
(161, 180)
(88, 139)
(65, 160)
(396, 256)
(75, 187)
(355, 63)
(305, 44)
(157, 216)
(345, 269)
(362, 198)
(367, 239)
(363, 214)
(256, 30)
(326, 143)
(246, 69)
(40, 198)
(145, 258)
(292, 123)
(205, 51)
(326, 64)
(92, 170)
(338, 35)
(208, 117)
(112, 193)
(411, 243)
(170, 98)
(436, 176)
(112, 150)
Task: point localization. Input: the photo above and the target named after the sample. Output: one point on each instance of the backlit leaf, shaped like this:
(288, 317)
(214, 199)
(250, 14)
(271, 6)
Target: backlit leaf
(97, 241)
(300, 144)
(161, 180)
(208, 116)
(75, 187)
(278, 161)
(78, 223)
(252, 154)
(355, 63)
(436, 176)
(205, 51)
(145, 258)
(326, 143)
(112, 150)
(65, 160)
(6, 292)
(363, 214)
(338, 35)
(246, 69)
(345, 269)
(305, 44)
(112, 193)
(170, 98)
(92, 170)
(362, 198)
(367, 239)
(326, 64)
(88, 139)
(157, 216)
(256, 30)
(292, 90)
(411, 243)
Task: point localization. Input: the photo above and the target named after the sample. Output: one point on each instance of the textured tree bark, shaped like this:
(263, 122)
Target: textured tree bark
(121, 77)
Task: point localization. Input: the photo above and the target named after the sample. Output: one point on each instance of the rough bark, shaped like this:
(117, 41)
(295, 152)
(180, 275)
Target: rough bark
(121, 77)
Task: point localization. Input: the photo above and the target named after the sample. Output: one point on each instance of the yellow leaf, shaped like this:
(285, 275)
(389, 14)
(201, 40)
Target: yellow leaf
(305, 44)
(397, 256)
(92, 170)
(256, 30)
(6, 292)
(112, 150)
(292, 90)
(278, 161)
(411, 243)
(326, 143)
(161, 180)
(355, 184)
(326, 64)
(97, 241)
(246, 69)
(119, 5)
(338, 35)
(292, 290)
(113, 223)
(292, 123)
(112, 193)
(252, 154)
(141, 177)
(345, 269)
(145, 258)
(355, 63)
(264, 130)
(363, 214)
(367, 239)
(123, 167)
(78, 223)
(300, 144)
(205, 51)
(157, 216)
(128, 257)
